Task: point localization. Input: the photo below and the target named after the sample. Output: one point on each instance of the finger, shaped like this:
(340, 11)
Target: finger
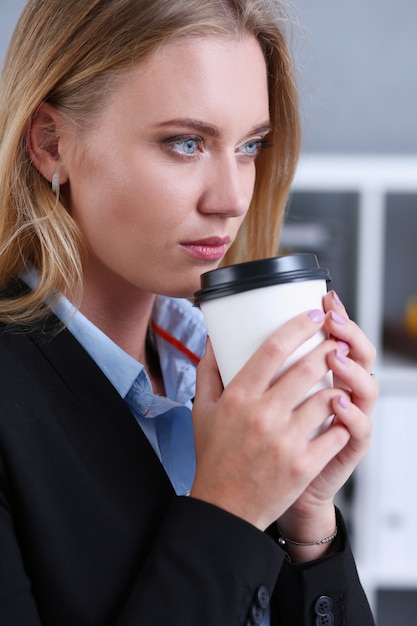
(208, 384)
(349, 434)
(357, 431)
(363, 387)
(332, 301)
(304, 377)
(357, 423)
(325, 447)
(262, 368)
(360, 348)
(315, 414)
(338, 324)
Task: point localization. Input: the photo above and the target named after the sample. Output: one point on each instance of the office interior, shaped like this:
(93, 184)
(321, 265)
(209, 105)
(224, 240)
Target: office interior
(354, 203)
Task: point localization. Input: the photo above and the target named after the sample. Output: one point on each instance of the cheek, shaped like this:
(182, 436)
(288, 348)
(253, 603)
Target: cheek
(248, 179)
(251, 183)
(113, 203)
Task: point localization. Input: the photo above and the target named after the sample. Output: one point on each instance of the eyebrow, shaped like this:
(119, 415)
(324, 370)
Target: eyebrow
(209, 129)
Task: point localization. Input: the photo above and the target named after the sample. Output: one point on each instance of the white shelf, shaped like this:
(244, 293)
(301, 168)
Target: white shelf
(352, 173)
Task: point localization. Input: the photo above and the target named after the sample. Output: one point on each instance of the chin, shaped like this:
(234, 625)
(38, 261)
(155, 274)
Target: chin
(183, 284)
(181, 291)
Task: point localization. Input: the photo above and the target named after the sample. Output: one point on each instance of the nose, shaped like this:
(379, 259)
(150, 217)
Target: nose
(228, 188)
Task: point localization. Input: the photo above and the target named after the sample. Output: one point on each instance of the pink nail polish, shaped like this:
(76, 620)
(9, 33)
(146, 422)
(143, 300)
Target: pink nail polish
(337, 318)
(341, 357)
(343, 345)
(316, 315)
(336, 298)
(343, 402)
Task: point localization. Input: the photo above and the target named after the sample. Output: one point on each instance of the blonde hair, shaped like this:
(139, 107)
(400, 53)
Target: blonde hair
(68, 54)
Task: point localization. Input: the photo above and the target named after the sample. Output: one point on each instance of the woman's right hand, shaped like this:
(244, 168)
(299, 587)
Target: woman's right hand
(254, 453)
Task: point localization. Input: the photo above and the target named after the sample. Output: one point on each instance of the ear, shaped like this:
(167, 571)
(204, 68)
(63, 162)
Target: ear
(43, 141)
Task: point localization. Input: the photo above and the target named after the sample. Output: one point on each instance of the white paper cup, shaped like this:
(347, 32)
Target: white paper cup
(243, 304)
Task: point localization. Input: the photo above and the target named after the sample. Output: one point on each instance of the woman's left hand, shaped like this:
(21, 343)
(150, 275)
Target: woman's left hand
(309, 518)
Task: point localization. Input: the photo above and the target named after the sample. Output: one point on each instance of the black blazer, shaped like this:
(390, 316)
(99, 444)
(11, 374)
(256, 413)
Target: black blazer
(92, 534)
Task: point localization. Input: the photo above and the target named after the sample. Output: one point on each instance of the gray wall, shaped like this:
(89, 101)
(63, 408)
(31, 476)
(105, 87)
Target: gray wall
(358, 66)
(357, 62)
(9, 12)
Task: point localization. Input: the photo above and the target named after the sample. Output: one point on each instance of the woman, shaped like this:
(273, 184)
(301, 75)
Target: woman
(133, 158)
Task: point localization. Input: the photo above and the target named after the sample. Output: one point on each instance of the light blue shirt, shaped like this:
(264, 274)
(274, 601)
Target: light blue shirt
(166, 421)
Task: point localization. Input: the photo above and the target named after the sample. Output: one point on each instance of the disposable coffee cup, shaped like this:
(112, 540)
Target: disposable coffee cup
(243, 304)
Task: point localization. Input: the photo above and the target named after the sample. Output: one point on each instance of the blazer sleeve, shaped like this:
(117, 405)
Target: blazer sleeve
(206, 567)
(206, 573)
(322, 592)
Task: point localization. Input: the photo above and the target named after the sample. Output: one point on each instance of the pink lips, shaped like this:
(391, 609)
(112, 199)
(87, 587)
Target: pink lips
(210, 249)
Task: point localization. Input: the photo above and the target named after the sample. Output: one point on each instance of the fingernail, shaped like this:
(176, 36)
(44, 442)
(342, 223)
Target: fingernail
(337, 318)
(341, 357)
(316, 315)
(343, 402)
(343, 345)
(336, 298)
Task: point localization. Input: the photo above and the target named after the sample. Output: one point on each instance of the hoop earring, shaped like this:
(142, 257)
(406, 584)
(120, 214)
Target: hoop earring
(55, 184)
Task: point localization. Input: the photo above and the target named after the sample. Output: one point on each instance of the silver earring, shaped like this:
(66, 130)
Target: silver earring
(55, 183)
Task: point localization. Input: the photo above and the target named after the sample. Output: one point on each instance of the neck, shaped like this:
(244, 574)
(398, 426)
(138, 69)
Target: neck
(122, 313)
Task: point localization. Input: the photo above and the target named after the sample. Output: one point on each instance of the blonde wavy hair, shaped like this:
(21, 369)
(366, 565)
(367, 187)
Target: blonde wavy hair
(69, 54)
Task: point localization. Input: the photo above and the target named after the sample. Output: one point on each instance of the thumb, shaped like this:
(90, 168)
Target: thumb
(209, 385)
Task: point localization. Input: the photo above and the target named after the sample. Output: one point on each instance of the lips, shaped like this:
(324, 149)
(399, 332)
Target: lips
(209, 249)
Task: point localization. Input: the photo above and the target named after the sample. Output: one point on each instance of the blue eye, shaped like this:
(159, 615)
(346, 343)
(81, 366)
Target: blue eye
(251, 147)
(189, 145)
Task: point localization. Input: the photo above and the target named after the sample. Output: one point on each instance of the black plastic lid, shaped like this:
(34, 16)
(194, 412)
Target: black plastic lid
(232, 279)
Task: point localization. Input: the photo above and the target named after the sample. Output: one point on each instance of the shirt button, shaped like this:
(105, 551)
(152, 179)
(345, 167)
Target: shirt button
(256, 614)
(323, 605)
(325, 620)
(262, 597)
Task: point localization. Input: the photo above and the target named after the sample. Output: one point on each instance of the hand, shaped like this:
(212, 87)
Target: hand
(351, 365)
(254, 455)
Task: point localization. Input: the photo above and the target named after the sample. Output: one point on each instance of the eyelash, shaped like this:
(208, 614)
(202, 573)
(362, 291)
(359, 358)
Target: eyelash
(170, 143)
(182, 139)
(262, 145)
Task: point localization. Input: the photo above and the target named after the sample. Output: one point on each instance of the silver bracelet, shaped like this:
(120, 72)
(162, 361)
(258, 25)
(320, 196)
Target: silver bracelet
(304, 544)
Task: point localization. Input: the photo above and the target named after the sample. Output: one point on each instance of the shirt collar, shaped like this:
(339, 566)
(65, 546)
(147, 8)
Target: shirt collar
(119, 367)
(180, 337)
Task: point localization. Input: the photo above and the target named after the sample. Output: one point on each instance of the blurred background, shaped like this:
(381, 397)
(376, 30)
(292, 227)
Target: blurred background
(354, 203)
(357, 67)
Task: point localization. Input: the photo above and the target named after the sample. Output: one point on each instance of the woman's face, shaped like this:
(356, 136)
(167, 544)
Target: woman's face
(161, 183)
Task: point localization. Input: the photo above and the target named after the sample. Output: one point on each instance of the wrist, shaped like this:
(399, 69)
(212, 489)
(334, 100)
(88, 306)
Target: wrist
(307, 537)
(284, 541)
